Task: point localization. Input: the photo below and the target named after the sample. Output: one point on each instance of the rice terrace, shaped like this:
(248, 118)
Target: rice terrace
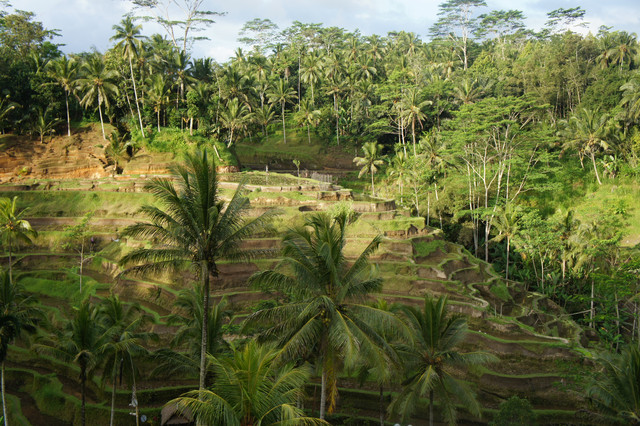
(328, 228)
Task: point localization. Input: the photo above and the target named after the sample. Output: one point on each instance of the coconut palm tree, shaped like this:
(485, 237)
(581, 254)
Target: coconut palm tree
(98, 85)
(250, 389)
(65, 72)
(13, 227)
(123, 323)
(158, 93)
(263, 116)
(617, 390)
(17, 314)
(193, 227)
(370, 162)
(412, 109)
(42, 124)
(281, 93)
(234, 117)
(506, 222)
(83, 340)
(326, 320)
(130, 42)
(308, 116)
(311, 72)
(189, 322)
(431, 360)
(588, 132)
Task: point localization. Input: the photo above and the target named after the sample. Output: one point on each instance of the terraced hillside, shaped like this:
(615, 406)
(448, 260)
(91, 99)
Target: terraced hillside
(540, 349)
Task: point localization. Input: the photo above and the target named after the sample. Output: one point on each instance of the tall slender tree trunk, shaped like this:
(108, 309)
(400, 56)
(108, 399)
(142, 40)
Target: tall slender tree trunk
(66, 99)
(592, 312)
(381, 406)
(595, 168)
(323, 391)
(508, 246)
(373, 188)
(135, 93)
(413, 134)
(81, 263)
(4, 402)
(284, 129)
(101, 121)
(205, 320)
(158, 120)
(113, 393)
(83, 379)
(10, 262)
(431, 408)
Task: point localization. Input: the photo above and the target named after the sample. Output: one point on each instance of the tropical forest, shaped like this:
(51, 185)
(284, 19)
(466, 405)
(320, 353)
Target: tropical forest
(329, 228)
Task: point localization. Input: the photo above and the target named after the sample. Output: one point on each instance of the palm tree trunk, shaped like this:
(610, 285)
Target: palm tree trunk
(381, 406)
(323, 392)
(230, 138)
(4, 402)
(101, 121)
(10, 262)
(135, 93)
(113, 393)
(592, 312)
(284, 130)
(373, 188)
(508, 246)
(308, 134)
(158, 120)
(83, 378)
(431, 408)
(81, 263)
(413, 134)
(205, 320)
(595, 168)
(66, 99)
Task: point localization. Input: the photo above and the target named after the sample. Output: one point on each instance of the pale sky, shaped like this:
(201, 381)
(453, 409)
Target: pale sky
(85, 24)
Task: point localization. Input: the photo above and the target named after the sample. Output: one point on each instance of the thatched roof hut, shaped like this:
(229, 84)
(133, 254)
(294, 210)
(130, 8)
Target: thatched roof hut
(170, 415)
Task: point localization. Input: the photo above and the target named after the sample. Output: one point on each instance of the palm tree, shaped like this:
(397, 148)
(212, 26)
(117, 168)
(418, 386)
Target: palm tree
(617, 390)
(281, 93)
(123, 323)
(83, 340)
(189, 322)
(250, 389)
(6, 106)
(234, 117)
(65, 72)
(335, 86)
(626, 49)
(129, 42)
(326, 320)
(13, 227)
(193, 227)
(17, 314)
(588, 131)
(430, 362)
(308, 116)
(413, 110)
(506, 222)
(311, 71)
(98, 85)
(263, 116)
(42, 124)
(370, 162)
(158, 93)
